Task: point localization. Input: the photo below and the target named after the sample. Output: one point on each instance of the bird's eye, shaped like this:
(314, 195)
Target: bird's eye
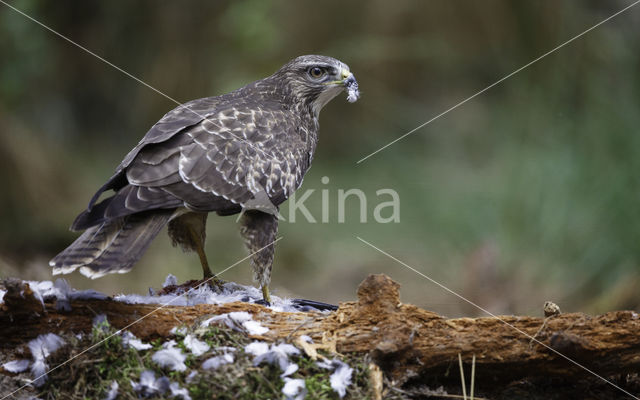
(316, 72)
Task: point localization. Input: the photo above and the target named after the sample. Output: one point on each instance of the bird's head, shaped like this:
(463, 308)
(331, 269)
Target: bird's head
(315, 80)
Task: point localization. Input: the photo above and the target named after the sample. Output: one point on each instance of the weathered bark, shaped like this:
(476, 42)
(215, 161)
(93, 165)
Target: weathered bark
(405, 341)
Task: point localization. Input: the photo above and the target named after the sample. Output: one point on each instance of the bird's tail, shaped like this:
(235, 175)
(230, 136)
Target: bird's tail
(111, 247)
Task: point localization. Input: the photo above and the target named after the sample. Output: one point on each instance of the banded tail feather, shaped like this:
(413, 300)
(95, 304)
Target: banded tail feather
(112, 246)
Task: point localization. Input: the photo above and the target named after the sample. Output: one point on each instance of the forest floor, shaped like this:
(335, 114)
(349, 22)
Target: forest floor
(190, 341)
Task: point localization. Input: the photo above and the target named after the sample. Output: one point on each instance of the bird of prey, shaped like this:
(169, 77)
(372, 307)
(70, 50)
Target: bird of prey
(242, 152)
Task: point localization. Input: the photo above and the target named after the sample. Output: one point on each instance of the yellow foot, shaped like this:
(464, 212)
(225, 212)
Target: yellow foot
(265, 294)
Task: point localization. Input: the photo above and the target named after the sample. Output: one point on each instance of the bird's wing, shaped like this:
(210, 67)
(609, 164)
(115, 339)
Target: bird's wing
(176, 120)
(232, 155)
(239, 155)
(173, 122)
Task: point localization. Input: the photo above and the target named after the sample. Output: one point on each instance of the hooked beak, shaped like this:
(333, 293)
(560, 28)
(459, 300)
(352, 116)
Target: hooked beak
(349, 82)
(345, 77)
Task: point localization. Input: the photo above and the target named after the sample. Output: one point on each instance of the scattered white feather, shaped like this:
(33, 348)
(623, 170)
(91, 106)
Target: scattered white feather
(168, 299)
(2, 293)
(149, 385)
(171, 358)
(232, 319)
(285, 348)
(326, 364)
(65, 291)
(294, 389)
(254, 328)
(62, 293)
(178, 330)
(139, 345)
(39, 370)
(203, 294)
(177, 391)
(130, 340)
(207, 322)
(44, 345)
(239, 320)
(292, 368)
(256, 348)
(42, 289)
(306, 338)
(63, 287)
(88, 294)
(341, 377)
(217, 361)
(169, 344)
(112, 394)
(278, 354)
(197, 347)
(16, 366)
(41, 348)
(231, 292)
(170, 280)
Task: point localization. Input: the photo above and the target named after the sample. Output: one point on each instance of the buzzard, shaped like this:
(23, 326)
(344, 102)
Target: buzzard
(242, 152)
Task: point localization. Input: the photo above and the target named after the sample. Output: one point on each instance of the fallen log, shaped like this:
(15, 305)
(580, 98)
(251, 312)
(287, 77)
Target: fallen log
(408, 343)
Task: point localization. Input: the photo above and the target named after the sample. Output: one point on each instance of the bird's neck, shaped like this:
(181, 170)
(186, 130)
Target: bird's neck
(306, 110)
(301, 109)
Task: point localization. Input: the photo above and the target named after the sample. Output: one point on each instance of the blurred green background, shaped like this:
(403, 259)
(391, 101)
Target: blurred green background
(529, 192)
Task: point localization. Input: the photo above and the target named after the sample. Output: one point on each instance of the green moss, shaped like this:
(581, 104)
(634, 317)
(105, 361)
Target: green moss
(90, 373)
(317, 379)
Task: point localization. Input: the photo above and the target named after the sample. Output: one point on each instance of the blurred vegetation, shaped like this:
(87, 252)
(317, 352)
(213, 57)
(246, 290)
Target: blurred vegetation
(529, 192)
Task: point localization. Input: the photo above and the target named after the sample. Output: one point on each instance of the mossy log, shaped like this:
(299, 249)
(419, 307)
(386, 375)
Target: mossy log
(405, 341)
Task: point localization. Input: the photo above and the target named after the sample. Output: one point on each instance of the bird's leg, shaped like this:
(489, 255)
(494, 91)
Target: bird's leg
(188, 231)
(259, 231)
(200, 250)
(199, 247)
